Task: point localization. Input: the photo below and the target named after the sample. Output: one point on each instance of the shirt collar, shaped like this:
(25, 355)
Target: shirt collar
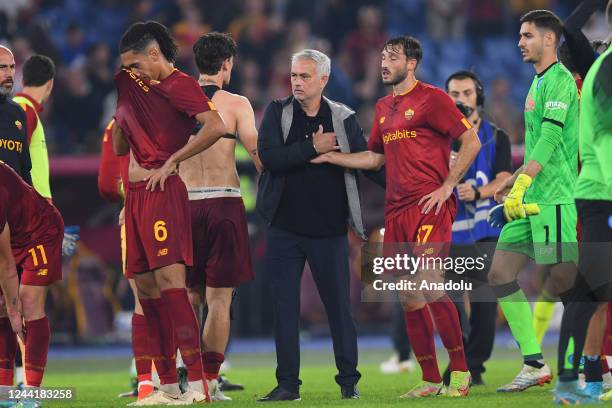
(324, 110)
(408, 91)
(37, 106)
(541, 74)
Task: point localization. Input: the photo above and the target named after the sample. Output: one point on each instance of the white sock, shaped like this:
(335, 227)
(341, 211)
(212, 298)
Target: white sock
(172, 389)
(197, 386)
(19, 375)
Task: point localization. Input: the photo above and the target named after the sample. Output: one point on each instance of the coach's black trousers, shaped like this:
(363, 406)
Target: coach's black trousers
(286, 254)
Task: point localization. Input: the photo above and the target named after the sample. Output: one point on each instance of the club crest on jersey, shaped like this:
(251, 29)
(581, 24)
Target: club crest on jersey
(18, 125)
(409, 114)
(381, 120)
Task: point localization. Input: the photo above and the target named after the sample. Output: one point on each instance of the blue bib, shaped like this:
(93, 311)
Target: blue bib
(471, 220)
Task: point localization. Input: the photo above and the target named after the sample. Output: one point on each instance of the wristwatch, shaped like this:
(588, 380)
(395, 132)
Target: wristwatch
(476, 193)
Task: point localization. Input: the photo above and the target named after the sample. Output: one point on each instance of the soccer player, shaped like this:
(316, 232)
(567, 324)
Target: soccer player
(412, 131)
(112, 178)
(546, 178)
(222, 259)
(157, 108)
(38, 74)
(31, 234)
(593, 194)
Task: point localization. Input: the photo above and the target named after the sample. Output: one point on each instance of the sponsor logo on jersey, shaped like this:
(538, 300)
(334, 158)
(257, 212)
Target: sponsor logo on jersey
(18, 125)
(409, 114)
(529, 103)
(555, 105)
(399, 135)
(11, 145)
(162, 252)
(43, 272)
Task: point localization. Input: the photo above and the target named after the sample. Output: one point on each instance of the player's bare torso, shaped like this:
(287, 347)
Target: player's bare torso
(216, 166)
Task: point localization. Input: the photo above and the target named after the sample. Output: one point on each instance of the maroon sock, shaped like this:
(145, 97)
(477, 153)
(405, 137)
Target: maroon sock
(421, 335)
(607, 344)
(38, 335)
(140, 347)
(160, 332)
(447, 321)
(186, 331)
(212, 364)
(8, 348)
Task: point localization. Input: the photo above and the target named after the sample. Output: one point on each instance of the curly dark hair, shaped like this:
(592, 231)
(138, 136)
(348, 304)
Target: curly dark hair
(211, 50)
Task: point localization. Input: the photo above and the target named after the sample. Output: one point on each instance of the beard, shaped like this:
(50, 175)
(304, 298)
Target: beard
(4, 90)
(396, 78)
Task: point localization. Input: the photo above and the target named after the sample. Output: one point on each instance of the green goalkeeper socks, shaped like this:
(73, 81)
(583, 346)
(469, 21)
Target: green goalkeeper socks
(517, 310)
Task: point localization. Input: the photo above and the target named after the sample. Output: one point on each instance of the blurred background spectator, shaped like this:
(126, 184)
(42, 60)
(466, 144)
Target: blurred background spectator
(82, 36)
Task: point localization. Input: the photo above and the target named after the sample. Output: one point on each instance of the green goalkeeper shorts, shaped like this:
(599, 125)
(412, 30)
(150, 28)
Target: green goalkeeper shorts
(547, 238)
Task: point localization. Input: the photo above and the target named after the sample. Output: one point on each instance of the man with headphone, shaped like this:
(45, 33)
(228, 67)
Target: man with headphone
(473, 237)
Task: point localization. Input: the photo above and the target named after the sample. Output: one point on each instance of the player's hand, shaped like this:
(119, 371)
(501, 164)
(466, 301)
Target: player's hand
(466, 192)
(159, 176)
(513, 205)
(322, 158)
(324, 142)
(71, 237)
(121, 220)
(503, 190)
(15, 315)
(436, 199)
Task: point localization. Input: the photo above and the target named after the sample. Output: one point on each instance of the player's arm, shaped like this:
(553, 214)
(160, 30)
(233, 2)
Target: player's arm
(121, 146)
(247, 132)
(444, 117)
(366, 160)
(579, 47)
(602, 95)
(10, 281)
(557, 98)
(212, 130)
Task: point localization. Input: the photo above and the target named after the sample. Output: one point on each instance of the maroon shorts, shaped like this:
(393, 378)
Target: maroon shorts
(157, 227)
(222, 258)
(412, 226)
(41, 260)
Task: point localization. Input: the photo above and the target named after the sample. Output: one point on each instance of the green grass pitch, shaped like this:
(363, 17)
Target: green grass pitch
(98, 382)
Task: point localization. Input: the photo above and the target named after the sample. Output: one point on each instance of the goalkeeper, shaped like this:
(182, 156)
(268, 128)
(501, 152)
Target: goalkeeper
(547, 178)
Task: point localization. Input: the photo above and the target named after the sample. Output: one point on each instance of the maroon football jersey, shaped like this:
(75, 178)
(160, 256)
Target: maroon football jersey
(29, 215)
(414, 131)
(158, 116)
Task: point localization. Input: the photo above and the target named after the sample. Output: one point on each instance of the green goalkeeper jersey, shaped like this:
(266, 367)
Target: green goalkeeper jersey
(595, 179)
(551, 135)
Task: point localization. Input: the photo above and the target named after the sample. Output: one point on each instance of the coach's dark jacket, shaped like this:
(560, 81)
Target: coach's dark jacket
(278, 158)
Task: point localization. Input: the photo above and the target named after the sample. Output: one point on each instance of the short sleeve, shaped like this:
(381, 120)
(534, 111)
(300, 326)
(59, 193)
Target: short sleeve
(187, 96)
(444, 116)
(556, 100)
(375, 143)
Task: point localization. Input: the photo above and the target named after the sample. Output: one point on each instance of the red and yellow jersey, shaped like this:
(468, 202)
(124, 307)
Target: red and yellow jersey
(158, 117)
(29, 215)
(113, 172)
(414, 131)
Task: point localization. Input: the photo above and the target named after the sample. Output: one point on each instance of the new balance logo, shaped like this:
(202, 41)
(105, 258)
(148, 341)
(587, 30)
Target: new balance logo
(162, 252)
